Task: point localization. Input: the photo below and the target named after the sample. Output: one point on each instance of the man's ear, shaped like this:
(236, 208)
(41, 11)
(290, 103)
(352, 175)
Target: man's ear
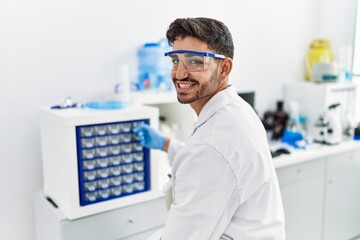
(226, 67)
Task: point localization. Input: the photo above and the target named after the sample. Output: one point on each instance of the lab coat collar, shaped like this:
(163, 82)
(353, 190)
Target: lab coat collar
(217, 102)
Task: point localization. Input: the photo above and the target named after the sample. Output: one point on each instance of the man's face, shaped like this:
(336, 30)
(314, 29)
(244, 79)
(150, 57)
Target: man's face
(194, 86)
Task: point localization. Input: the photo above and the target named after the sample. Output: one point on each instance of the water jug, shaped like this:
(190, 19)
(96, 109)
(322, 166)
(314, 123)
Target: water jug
(153, 71)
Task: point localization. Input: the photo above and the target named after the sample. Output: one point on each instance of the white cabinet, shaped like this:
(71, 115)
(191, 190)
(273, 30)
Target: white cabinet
(302, 190)
(321, 195)
(135, 222)
(342, 200)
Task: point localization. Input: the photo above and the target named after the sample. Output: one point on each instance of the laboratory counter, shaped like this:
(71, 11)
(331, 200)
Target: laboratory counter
(312, 152)
(320, 188)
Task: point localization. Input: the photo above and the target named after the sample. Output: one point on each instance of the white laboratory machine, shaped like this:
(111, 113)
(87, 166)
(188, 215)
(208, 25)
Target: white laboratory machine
(315, 98)
(93, 162)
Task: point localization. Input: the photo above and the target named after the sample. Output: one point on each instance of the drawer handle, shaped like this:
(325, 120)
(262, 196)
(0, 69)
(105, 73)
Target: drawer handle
(131, 221)
(298, 170)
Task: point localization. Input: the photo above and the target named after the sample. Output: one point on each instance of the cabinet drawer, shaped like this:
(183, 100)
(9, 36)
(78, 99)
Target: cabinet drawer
(343, 160)
(143, 235)
(117, 224)
(300, 171)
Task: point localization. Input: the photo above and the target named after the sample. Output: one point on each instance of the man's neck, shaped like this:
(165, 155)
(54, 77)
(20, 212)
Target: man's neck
(200, 104)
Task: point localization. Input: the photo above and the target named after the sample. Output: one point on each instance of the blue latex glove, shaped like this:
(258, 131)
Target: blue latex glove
(149, 137)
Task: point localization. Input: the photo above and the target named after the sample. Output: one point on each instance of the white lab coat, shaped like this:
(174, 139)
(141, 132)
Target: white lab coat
(224, 181)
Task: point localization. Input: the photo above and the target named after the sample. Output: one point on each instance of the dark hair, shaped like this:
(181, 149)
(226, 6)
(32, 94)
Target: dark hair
(211, 31)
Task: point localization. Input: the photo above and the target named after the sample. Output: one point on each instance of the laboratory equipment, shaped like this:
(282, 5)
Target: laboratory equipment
(92, 160)
(275, 121)
(328, 126)
(68, 103)
(324, 72)
(315, 98)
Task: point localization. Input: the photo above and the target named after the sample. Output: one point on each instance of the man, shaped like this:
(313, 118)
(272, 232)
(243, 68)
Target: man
(224, 182)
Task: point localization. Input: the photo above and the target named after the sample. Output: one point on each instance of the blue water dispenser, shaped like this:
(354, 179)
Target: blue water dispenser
(153, 70)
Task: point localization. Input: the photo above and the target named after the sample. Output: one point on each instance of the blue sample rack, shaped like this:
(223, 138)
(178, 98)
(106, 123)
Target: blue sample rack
(111, 161)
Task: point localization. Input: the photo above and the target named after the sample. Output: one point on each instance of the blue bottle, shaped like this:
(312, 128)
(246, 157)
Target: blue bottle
(153, 72)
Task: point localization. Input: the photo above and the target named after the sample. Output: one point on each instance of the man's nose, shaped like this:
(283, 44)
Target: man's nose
(181, 72)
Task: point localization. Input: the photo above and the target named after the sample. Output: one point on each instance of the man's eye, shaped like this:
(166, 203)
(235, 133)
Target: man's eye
(195, 62)
(175, 61)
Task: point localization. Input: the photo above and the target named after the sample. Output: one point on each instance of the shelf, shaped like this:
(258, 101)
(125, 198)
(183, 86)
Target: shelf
(153, 97)
(330, 85)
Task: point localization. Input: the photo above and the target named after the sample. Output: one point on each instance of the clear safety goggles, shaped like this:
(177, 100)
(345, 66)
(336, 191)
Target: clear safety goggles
(193, 61)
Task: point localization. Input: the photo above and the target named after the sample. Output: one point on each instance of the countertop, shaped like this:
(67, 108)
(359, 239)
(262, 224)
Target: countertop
(313, 151)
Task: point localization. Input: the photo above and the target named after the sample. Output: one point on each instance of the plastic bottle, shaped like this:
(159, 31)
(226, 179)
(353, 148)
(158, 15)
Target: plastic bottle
(122, 87)
(153, 72)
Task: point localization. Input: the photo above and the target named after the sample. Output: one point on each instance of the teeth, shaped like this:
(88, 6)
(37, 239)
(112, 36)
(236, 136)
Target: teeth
(184, 85)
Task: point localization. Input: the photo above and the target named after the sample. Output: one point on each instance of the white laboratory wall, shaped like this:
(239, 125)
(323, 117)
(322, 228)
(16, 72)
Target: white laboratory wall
(339, 30)
(356, 58)
(53, 49)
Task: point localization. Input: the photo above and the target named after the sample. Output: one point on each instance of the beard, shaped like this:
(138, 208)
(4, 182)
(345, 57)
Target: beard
(205, 89)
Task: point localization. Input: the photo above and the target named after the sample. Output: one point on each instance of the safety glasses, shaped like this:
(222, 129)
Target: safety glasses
(192, 60)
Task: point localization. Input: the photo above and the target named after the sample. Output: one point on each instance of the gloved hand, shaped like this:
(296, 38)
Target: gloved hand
(149, 137)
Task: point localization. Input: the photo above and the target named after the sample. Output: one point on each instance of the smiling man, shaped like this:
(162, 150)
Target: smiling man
(224, 182)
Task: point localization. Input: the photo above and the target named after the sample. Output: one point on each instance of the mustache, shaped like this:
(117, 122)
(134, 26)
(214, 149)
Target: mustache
(185, 80)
